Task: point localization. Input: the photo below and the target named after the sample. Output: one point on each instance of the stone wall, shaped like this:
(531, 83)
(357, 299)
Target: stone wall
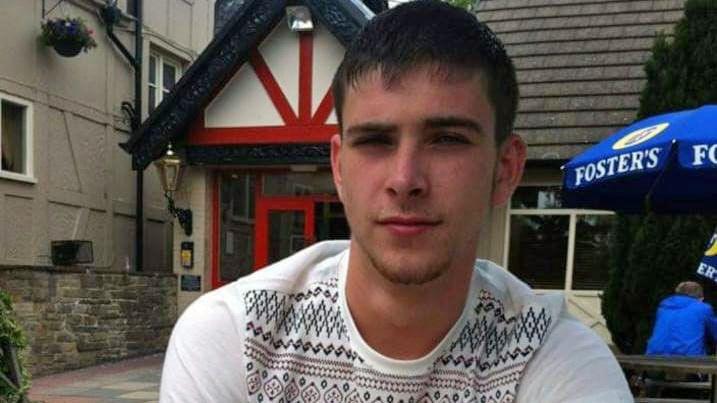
(76, 317)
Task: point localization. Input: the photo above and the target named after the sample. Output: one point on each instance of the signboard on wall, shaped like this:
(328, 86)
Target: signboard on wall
(191, 283)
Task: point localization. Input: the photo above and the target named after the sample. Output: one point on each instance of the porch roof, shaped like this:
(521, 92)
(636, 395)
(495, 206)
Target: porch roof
(249, 26)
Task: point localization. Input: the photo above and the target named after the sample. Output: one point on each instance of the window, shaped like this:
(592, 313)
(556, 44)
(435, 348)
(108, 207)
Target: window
(242, 197)
(164, 72)
(236, 225)
(551, 247)
(15, 138)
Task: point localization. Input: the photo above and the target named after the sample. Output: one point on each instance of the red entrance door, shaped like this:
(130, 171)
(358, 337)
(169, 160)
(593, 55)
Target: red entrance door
(284, 225)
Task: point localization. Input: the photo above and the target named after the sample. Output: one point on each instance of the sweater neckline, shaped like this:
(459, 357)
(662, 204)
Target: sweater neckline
(383, 363)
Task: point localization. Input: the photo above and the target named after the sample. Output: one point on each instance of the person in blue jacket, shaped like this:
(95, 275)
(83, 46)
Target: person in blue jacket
(684, 323)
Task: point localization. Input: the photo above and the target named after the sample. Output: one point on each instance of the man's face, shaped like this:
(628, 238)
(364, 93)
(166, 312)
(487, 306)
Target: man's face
(417, 170)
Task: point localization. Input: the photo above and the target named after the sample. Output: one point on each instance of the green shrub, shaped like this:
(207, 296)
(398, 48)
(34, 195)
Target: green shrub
(10, 332)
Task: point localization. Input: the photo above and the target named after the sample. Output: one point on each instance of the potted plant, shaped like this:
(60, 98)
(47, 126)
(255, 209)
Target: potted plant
(67, 35)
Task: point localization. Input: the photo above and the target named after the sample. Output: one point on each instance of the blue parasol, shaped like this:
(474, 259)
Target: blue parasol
(664, 164)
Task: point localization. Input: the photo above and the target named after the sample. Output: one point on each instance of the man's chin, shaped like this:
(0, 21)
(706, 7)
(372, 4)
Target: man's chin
(415, 279)
(405, 272)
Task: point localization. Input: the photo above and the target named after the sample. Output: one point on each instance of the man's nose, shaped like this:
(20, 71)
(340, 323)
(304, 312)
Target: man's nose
(407, 176)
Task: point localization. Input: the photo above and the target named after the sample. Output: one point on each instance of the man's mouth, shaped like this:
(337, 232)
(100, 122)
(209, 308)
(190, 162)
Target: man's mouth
(408, 225)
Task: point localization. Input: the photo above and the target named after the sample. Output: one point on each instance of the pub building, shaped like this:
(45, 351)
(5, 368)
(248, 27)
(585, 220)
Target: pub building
(251, 118)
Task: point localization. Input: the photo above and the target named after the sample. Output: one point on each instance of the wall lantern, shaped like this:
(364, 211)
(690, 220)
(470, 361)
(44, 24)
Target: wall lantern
(170, 168)
(299, 18)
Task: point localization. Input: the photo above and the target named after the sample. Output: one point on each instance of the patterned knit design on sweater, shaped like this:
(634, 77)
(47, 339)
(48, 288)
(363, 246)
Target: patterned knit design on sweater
(298, 349)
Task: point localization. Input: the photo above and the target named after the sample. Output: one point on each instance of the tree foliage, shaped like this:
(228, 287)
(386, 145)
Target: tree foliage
(651, 253)
(11, 333)
(682, 72)
(469, 5)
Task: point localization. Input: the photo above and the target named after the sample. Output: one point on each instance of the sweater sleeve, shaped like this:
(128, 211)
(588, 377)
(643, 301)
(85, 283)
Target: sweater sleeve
(574, 365)
(204, 360)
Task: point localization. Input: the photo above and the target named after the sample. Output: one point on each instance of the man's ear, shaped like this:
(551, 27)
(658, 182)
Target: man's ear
(509, 168)
(336, 164)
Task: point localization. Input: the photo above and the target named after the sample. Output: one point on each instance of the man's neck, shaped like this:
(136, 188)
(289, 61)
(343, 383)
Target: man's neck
(404, 321)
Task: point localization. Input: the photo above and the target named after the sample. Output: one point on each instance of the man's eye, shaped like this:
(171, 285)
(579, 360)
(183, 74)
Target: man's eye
(372, 139)
(448, 138)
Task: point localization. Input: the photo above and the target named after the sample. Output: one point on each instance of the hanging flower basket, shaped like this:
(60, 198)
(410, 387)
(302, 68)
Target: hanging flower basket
(67, 48)
(68, 36)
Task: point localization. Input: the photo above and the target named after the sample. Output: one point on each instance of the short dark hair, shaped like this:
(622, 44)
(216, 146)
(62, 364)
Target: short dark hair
(431, 33)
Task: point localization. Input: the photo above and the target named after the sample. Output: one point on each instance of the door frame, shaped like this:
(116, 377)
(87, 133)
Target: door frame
(263, 206)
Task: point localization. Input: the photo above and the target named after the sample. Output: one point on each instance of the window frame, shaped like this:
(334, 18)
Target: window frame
(29, 174)
(158, 87)
(572, 233)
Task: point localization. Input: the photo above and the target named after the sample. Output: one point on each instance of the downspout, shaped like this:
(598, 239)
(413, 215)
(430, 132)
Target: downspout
(139, 203)
(110, 16)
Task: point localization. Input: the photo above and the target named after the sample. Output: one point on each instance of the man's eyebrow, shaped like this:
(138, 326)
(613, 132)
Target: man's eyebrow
(370, 127)
(454, 121)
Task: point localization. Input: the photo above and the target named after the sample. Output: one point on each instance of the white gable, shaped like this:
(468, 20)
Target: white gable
(243, 102)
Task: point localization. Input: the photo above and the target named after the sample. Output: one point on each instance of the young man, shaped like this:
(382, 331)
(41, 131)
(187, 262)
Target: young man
(403, 312)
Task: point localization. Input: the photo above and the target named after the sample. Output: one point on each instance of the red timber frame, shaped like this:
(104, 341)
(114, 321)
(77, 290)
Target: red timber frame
(298, 128)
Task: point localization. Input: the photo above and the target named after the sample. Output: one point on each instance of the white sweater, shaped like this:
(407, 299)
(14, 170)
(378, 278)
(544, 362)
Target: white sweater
(285, 333)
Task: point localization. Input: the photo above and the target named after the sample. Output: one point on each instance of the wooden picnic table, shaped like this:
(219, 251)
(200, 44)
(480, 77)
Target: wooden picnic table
(673, 365)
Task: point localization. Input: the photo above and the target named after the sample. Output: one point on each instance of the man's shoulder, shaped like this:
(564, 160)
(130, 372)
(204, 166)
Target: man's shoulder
(574, 363)
(315, 264)
(569, 327)
(500, 278)
(514, 294)
(706, 309)
(568, 338)
(563, 326)
(697, 305)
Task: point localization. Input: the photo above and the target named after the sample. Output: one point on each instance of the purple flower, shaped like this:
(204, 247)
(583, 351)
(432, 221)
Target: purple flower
(64, 29)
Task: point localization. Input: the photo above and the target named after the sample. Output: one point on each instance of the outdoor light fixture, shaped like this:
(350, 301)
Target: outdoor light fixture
(299, 18)
(170, 168)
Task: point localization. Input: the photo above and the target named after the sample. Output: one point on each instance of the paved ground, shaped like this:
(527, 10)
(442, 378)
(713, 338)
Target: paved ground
(130, 381)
